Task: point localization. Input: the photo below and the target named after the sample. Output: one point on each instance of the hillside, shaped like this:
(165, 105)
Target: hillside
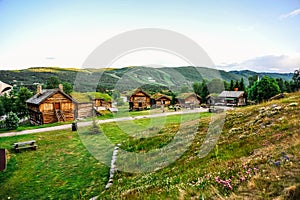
(128, 78)
(257, 157)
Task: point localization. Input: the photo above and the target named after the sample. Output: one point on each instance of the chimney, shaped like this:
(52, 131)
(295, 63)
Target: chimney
(61, 87)
(39, 89)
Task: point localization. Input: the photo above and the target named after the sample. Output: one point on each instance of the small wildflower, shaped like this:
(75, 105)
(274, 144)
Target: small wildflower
(286, 157)
(277, 163)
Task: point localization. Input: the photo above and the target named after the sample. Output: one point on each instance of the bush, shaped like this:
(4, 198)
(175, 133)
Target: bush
(12, 121)
(94, 129)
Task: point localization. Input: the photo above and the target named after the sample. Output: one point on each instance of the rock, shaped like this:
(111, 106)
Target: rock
(277, 108)
(262, 109)
(274, 106)
(108, 185)
(293, 104)
(234, 130)
(94, 198)
(242, 136)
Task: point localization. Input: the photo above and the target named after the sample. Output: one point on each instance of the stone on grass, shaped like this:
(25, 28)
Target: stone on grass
(293, 104)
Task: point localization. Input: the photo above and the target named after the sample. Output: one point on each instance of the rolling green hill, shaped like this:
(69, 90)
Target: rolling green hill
(128, 78)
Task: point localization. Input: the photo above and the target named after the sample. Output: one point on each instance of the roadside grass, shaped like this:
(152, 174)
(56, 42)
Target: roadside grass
(61, 168)
(123, 112)
(28, 126)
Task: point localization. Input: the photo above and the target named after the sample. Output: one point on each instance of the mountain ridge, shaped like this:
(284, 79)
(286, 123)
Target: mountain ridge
(131, 77)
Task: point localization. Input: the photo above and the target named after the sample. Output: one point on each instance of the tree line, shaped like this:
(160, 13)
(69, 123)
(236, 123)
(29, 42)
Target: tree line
(258, 89)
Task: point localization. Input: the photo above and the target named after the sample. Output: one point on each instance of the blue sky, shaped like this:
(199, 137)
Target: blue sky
(260, 35)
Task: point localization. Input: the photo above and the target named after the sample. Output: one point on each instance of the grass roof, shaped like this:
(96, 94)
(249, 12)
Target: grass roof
(185, 95)
(88, 96)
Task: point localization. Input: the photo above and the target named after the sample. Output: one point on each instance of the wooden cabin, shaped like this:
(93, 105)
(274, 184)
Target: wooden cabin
(210, 99)
(90, 102)
(100, 102)
(232, 98)
(189, 100)
(139, 100)
(160, 100)
(50, 105)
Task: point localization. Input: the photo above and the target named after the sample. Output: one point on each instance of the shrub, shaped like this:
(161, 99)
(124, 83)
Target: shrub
(12, 121)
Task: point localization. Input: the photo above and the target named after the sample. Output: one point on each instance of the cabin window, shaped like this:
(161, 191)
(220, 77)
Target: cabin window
(140, 104)
(48, 106)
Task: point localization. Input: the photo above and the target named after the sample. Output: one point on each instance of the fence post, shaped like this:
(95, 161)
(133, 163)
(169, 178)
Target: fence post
(2, 160)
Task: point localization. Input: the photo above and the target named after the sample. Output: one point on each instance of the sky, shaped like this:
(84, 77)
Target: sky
(259, 35)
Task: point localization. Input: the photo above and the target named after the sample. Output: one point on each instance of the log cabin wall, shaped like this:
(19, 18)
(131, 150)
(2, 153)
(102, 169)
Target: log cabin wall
(97, 102)
(35, 116)
(140, 100)
(241, 101)
(192, 100)
(59, 102)
(84, 110)
(163, 101)
(106, 104)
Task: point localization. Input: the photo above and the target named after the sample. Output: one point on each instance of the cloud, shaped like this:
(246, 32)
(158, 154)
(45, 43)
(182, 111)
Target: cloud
(268, 63)
(290, 14)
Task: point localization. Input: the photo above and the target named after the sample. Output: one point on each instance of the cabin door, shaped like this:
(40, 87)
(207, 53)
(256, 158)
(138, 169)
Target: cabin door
(57, 106)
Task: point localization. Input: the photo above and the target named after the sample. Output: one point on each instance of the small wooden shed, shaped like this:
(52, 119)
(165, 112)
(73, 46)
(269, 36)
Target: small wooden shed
(232, 98)
(161, 100)
(139, 100)
(89, 102)
(189, 100)
(50, 105)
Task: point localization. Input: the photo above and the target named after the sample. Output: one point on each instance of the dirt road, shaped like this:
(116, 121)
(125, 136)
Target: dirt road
(82, 124)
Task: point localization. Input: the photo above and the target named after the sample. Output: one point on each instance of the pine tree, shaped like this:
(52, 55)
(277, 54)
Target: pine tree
(242, 85)
(236, 85)
(231, 87)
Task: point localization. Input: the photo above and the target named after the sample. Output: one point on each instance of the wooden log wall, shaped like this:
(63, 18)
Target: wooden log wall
(84, 110)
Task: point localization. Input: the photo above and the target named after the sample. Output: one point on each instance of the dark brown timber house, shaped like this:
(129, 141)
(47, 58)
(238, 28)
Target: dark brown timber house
(160, 100)
(189, 100)
(50, 105)
(139, 100)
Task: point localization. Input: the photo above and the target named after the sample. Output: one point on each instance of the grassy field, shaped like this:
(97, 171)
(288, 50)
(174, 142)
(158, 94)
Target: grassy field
(256, 157)
(62, 167)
